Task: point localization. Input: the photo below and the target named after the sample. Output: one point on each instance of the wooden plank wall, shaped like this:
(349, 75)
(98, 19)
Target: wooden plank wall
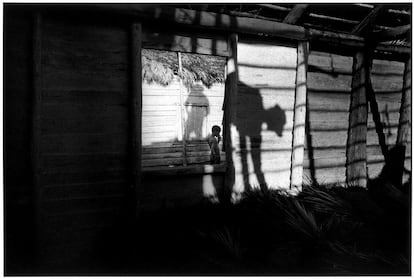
(329, 87)
(84, 132)
(266, 91)
(387, 81)
(161, 132)
(19, 227)
(176, 40)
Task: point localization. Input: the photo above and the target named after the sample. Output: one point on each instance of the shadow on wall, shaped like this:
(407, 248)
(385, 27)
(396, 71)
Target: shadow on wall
(197, 111)
(252, 118)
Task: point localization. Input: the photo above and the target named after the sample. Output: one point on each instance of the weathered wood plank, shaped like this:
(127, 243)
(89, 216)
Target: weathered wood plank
(83, 190)
(71, 177)
(367, 23)
(357, 134)
(299, 117)
(267, 77)
(295, 14)
(230, 111)
(136, 113)
(404, 126)
(85, 97)
(70, 163)
(184, 42)
(324, 82)
(392, 33)
(81, 206)
(79, 118)
(36, 167)
(83, 143)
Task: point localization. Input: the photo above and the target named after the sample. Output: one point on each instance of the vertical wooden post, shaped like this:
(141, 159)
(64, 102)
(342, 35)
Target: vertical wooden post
(182, 110)
(230, 112)
(35, 131)
(298, 141)
(136, 110)
(404, 124)
(356, 153)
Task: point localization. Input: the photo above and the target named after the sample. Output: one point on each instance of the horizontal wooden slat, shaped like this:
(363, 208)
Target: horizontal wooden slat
(156, 156)
(162, 162)
(279, 78)
(83, 190)
(83, 162)
(90, 96)
(71, 177)
(267, 55)
(69, 207)
(179, 41)
(58, 119)
(84, 143)
(322, 81)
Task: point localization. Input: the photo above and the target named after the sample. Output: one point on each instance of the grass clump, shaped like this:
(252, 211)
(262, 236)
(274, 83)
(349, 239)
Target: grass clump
(327, 231)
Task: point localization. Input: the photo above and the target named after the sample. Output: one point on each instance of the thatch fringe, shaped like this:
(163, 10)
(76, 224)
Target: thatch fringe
(162, 66)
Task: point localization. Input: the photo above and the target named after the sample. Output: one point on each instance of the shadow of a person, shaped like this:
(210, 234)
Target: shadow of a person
(251, 115)
(197, 110)
(197, 131)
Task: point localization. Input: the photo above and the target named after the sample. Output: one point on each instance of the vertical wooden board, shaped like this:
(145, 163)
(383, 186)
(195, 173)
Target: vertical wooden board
(357, 134)
(387, 78)
(404, 125)
(35, 132)
(261, 117)
(329, 82)
(231, 133)
(84, 75)
(136, 112)
(299, 116)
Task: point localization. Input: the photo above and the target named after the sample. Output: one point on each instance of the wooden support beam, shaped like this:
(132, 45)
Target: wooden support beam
(373, 104)
(182, 110)
(295, 14)
(298, 142)
(391, 34)
(35, 131)
(404, 125)
(356, 153)
(274, 7)
(366, 24)
(136, 111)
(230, 114)
(201, 21)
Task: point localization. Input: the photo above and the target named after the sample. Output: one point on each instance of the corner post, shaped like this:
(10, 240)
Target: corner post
(230, 113)
(136, 111)
(404, 123)
(356, 153)
(35, 132)
(299, 119)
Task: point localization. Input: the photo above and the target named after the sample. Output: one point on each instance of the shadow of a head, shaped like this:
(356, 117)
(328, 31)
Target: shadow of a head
(196, 89)
(275, 118)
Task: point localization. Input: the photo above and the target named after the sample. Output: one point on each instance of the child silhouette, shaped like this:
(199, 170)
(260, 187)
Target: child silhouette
(213, 142)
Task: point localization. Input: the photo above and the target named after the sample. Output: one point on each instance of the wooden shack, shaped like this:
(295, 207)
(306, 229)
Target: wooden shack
(304, 92)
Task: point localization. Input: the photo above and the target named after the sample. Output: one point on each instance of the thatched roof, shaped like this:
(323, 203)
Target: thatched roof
(161, 67)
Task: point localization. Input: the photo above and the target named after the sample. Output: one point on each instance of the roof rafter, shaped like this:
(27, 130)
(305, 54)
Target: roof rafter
(367, 23)
(392, 33)
(295, 14)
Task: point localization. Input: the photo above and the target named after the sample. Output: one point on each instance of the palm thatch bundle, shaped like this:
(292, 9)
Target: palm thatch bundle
(162, 66)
